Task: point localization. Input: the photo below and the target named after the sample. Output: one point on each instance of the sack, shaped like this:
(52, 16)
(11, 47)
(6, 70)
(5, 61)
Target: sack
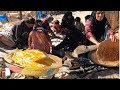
(8, 41)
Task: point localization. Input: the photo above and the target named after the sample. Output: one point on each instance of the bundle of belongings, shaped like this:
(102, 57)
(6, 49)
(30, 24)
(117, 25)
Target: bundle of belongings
(5, 29)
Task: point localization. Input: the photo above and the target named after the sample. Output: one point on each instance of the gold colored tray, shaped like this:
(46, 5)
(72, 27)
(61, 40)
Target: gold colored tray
(47, 71)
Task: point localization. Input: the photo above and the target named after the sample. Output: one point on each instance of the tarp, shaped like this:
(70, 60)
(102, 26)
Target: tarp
(3, 17)
(40, 14)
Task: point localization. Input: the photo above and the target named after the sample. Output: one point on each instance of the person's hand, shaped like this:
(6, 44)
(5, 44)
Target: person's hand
(98, 44)
(28, 48)
(113, 38)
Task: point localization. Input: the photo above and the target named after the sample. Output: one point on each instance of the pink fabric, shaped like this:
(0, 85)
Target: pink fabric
(110, 31)
(57, 28)
(38, 40)
(88, 29)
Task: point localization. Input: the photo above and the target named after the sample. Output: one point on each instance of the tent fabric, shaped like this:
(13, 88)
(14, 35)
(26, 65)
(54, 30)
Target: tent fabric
(40, 14)
(3, 17)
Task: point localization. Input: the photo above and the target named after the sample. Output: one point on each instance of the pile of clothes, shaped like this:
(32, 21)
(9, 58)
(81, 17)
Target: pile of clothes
(5, 29)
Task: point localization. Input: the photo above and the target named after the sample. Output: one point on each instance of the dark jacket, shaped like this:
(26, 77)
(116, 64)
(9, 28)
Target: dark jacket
(67, 22)
(98, 29)
(72, 40)
(21, 33)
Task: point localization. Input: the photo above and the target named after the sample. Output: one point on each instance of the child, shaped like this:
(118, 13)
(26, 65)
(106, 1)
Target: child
(43, 18)
(46, 26)
(87, 17)
(56, 27)
(79, 25)
(38, 39)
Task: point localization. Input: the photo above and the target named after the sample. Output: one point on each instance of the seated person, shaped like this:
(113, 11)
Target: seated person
(87, 17)
(56, 26)
(21, 32)
(46, 26)
(38, 39)
(73, 38)
(44, 16)
(97, 28)
(17, 35)
(79, 25)
(67, 19)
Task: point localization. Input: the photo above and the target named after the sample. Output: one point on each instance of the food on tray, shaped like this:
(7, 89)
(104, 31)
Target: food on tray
(32, 59)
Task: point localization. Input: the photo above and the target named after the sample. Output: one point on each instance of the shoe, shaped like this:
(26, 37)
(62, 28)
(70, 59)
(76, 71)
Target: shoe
(75, 65)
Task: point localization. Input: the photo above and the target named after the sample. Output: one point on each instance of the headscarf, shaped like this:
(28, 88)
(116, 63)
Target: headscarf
(67, 22)
(100, 28)
(94, 20)
(69, 13)
(30, 20)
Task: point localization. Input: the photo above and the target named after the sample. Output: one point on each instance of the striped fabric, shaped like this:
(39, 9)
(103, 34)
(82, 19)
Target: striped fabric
(38, 40)
(88, 30)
